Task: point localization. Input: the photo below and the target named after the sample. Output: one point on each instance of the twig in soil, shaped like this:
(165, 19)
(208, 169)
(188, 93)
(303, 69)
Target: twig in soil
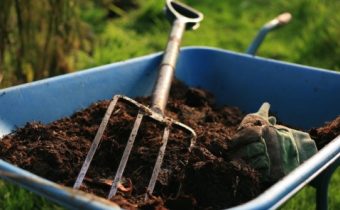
(124, 189)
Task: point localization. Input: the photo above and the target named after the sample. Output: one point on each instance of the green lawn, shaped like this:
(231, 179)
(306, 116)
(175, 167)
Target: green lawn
(305, 198)
(14, 198)
(312, 38)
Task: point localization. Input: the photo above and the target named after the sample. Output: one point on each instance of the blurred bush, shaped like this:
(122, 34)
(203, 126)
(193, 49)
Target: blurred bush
(38, 38)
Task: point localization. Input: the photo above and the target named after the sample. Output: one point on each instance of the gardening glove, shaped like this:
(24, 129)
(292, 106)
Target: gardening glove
(274, 150)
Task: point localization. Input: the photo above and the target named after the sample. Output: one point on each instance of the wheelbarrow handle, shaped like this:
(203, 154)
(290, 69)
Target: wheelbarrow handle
(280, 20)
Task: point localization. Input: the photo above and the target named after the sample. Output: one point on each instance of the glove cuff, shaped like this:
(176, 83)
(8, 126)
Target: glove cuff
(305, 145)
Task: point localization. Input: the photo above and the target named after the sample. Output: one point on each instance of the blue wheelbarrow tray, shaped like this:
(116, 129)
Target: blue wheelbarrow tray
(300, 96)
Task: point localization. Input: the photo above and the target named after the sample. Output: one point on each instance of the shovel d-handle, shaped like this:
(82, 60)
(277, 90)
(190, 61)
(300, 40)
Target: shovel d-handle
(182, 17)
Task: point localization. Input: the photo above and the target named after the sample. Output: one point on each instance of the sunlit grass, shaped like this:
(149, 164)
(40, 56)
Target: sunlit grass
(15, 198)
(311, 38)
(305, 199)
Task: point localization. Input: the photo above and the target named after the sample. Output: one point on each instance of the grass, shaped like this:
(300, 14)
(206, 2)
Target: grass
(305, 199)
(14, 198)
(312, 38)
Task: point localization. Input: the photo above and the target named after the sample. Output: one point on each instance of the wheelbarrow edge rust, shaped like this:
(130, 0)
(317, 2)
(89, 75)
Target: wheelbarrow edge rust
(232, 77)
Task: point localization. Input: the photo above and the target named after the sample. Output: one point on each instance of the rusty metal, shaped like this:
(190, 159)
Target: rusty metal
(182, 17)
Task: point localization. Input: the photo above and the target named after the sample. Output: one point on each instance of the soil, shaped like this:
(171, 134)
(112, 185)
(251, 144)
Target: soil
(203, 177)
(327, 133)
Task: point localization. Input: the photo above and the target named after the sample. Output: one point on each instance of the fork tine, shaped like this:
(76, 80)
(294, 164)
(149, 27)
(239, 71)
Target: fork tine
(158, 163)
(95, 143)
(126, 155)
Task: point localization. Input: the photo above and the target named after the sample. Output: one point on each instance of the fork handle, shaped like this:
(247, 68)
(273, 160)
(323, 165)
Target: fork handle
(161, 91)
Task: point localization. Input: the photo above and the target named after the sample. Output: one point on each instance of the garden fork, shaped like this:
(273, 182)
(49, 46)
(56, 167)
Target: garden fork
(182, 17)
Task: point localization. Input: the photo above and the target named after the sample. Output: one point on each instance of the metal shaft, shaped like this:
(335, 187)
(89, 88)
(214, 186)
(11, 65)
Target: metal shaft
(158, 163)
(95, 144)
(162, 88)
(126, 154)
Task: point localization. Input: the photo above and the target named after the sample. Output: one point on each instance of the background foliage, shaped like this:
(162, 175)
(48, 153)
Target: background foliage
(43, 38)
